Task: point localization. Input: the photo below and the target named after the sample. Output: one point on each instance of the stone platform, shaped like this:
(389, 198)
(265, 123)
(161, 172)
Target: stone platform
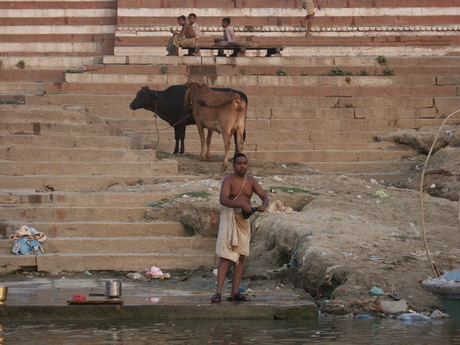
(45, 299)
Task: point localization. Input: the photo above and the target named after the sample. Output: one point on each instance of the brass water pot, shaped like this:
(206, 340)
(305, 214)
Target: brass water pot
(3, 293)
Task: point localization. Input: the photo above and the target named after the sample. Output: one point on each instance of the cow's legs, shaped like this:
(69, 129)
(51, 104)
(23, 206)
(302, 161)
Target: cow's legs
(239, 140)
(208, 145)
(201, 134)
(227, 142)
(179, 135)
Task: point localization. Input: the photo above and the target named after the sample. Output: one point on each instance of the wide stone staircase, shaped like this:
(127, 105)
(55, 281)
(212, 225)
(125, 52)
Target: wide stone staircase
(68, 71)
(57, 171)
(323, 111)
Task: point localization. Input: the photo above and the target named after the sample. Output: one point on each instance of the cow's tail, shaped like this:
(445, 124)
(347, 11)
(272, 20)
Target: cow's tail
(240, 105)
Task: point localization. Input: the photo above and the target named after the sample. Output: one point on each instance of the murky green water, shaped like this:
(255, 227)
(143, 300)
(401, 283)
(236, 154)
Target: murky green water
(322, 331)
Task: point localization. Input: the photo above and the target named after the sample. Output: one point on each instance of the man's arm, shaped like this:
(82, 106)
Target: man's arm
(262, 195)
(181, 33)
(196, 29)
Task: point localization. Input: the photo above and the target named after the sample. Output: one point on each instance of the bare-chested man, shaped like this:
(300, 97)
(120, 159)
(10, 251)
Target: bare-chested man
(184, 38)
(234, 228)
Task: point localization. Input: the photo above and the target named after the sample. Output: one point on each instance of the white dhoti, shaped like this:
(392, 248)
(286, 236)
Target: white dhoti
(234, 235)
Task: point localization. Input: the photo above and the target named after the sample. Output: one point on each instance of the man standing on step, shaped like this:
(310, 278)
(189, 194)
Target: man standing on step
(184, 38)
(310, 7)
(234, 228)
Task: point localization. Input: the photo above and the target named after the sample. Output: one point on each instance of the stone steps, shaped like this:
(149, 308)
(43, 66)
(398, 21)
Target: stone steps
(80, 155)
(18, 113)
(57, 29)
(273, 70)
(119, 63)
(262, 86)
(100, 229)
(55, 263)
(45, 65)
(43, 128)
(84, 169)
(256, 126)
(31, 88)
(132, 245)
(328, 156)
(298, 107)
(193, 145)
(357, 24)
(50, 173)
(82, 183)
(125, 262)
(118, 105)
(31, 75)
(261, 80)
(30, 198)
(103, 142)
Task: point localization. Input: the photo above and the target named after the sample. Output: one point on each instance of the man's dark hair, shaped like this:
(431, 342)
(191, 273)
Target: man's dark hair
(192, 15)
(236, 156)
(227, 20)
(181, 17)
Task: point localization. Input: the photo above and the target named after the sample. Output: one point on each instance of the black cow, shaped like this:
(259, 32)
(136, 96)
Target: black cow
(169, 106)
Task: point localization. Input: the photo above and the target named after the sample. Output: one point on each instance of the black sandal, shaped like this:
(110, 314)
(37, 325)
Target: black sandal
(239, 298)
(216, 298)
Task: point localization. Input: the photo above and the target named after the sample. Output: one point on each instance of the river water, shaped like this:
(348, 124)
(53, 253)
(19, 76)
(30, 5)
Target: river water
(319, 331)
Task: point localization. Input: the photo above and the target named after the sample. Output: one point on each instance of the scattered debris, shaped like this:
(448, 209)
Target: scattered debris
(27, 240)
(278, 207)
(381, 194)
(376, 291)
(78, 297)
(148, 274)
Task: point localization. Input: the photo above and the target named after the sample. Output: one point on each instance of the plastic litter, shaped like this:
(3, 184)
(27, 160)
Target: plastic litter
(277, 179)
(437, 314)
(376, 291)
(381, 194)
(395, 297)
(148, 274)
(414, 317)
(78, 297)
(364, 317)
(154, 272)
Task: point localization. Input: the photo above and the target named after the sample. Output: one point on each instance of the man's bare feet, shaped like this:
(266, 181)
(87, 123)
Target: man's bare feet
(307, 34)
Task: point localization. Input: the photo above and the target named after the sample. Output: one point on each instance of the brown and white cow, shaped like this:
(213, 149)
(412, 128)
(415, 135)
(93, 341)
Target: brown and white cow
(221, 112)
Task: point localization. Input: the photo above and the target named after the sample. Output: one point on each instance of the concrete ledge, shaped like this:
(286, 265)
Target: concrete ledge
(175, 309)
(41, 299)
